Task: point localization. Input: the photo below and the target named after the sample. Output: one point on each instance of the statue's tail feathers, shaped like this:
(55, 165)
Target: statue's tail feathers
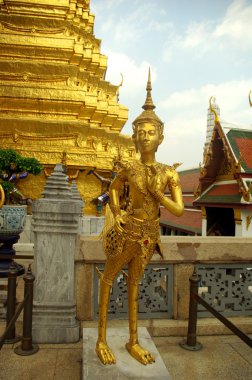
(108, 224)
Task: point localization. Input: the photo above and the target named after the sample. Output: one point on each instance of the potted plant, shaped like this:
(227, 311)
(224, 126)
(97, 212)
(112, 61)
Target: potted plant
(13, 167)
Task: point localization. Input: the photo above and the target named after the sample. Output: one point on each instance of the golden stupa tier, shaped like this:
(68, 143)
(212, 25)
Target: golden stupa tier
(54, 100)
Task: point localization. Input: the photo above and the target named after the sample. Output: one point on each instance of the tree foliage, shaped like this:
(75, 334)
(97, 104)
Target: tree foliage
(13, 167)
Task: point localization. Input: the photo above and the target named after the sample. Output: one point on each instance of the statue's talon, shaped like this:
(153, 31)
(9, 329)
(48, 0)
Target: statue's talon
(104, 353)
(140, 354)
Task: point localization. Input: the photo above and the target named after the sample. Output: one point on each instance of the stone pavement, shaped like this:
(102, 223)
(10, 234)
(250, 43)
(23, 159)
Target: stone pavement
(223, 357)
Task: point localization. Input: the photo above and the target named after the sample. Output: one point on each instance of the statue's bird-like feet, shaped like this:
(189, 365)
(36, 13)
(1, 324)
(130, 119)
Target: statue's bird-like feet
(140, 353)
(104, 353)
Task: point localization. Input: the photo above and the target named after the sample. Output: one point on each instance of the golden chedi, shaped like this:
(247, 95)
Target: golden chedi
(55, 104)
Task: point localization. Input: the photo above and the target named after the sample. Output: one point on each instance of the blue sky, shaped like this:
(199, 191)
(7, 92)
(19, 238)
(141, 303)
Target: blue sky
(196, 49)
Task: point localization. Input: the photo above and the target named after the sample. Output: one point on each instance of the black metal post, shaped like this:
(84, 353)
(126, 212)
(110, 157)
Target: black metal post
(191, 342)
(13, 320)
(27, 347)
(226, 322)
(11, 304)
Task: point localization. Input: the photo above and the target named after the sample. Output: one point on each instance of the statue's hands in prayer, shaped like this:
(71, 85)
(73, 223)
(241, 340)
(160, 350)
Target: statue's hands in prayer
(153, 180)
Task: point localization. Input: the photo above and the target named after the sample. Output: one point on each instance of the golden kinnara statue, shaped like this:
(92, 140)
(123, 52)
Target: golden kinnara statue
(132, 236)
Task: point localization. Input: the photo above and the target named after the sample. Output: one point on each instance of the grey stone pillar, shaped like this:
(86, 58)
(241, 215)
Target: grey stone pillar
(55, 224)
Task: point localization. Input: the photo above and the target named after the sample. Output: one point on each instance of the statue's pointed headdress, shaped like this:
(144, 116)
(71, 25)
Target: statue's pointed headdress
(148, 115)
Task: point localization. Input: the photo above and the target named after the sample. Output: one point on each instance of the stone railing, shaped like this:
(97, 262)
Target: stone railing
(224, 263)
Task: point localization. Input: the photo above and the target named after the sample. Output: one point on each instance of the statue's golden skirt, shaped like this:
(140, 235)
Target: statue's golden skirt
(134, 246)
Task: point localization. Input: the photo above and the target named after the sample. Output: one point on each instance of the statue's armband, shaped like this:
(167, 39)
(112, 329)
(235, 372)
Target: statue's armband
(173, 182)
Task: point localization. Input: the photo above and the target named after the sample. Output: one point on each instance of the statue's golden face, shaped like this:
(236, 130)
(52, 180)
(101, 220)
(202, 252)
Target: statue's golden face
(147, 138)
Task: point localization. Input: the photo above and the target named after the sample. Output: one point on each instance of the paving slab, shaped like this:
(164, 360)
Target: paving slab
(68, 365)
(40, 366)
(126, 367)
(218, 360)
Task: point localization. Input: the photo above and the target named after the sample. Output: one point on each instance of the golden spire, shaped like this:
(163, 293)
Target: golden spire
(148, 105)
(148, 115)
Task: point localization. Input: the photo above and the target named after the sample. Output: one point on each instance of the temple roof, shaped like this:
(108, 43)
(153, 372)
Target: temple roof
(189, 222)
(221, 193)
(189, 180)
(241, 144)
(226, 173)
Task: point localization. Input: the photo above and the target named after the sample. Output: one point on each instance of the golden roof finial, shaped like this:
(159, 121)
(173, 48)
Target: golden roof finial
(216, 117)
(148, 105)
(250, 101)
(120, 85)
(148, 115)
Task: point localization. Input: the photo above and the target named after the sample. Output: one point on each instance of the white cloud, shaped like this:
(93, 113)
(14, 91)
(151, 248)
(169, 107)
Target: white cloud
(233, 31)
(127, 25)
(231, 96)
(130, 28)
(223, 43)
(134, 74)
(187, 150)
(127, 28)
(186, 118)
(237, 24)
(100, 5)
(196, 34)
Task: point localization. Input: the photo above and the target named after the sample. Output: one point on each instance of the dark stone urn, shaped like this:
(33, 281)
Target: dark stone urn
(12, 222)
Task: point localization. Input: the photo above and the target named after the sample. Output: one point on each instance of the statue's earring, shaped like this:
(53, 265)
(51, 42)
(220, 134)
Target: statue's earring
(161, 138)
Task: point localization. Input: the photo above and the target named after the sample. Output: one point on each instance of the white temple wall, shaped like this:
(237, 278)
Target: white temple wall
(246, 216)
(204, 227)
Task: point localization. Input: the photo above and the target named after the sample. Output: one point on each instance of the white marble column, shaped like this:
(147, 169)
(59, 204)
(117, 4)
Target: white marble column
(55, 224)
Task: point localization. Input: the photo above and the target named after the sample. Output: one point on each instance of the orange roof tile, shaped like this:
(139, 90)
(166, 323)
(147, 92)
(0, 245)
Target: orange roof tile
(245, 148)
(221, 194)
(190, 220)
(189, 180)
(241, 143)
